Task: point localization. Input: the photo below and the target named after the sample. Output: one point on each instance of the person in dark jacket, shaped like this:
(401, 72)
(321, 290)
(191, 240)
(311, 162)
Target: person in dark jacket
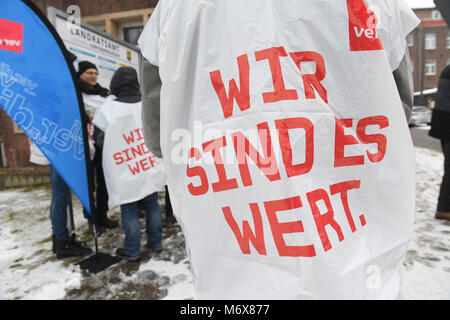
(125, 86)
(64, 244)
(94, 96)
(440, 129)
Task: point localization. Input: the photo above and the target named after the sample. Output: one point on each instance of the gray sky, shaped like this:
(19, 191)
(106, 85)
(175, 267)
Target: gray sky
(420, 3)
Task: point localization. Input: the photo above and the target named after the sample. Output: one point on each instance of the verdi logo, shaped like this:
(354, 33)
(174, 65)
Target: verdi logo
(11, 36)
(362, 27)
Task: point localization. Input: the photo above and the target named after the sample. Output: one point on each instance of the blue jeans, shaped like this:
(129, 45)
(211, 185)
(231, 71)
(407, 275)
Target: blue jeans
(58, 206)
(131, 226)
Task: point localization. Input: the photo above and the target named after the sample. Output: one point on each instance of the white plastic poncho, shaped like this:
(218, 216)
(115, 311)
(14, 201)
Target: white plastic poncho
(290, 164)
(131, 171)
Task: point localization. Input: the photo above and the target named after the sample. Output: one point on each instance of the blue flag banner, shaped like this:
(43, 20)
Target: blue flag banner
(37, 90)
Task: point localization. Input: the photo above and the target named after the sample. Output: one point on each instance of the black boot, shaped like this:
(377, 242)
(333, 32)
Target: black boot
(65, 249)
(108, 224)
(80, 244)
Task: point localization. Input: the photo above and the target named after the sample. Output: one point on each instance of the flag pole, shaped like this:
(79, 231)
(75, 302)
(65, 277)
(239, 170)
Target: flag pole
(102, 261)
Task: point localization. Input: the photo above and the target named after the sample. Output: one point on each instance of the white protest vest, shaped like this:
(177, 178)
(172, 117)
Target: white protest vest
(131, 171)
(92, 102)
(36, 155)
(290, 164)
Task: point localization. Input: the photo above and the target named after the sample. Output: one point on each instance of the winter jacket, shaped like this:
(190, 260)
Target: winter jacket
(93, 98)
(125, 86)
(440, 119)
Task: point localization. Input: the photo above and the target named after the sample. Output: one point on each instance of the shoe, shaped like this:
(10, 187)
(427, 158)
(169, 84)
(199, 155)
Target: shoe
(120, 253)
(65, 249)
(108, 224)
(442, 215)
(79, 244)
(156, 249)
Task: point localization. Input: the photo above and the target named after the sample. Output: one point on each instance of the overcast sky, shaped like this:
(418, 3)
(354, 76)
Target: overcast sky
(420, 3)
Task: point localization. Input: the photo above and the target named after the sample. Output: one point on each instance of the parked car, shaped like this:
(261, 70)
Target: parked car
(420, 115)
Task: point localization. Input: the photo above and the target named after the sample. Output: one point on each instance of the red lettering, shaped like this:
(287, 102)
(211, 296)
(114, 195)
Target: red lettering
(117, 156)
(342, 188)
(129, 139)
(283, 126)
(134, 170)
(224, 183)
(312, 81)
(247, 236)
(362, 22)
(278, 229)
(128, 156)
(153, 161)
(241, 95)
(280, 93)
(199, 172)
(144, 148)
(325, 219)
(144, 164)
(379, 139)
(138, 131)
(341, 140)
(267, 163)
(136, 151)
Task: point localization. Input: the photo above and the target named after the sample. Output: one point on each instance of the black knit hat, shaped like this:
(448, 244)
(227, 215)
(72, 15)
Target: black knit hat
(84, 65)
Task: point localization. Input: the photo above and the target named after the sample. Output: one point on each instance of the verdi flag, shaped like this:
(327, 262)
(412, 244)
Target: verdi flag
(37, 90)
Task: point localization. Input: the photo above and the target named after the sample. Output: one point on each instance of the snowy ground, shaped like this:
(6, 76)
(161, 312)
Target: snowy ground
(29, 270)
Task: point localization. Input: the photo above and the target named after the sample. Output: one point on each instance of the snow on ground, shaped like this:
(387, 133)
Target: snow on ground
(29, 269)
(427, 265)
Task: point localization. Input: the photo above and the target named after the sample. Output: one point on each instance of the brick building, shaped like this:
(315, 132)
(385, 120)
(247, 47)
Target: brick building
(429, 46)
(124, 19)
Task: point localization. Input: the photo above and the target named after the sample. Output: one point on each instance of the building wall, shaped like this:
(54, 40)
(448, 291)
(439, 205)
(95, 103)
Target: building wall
(96, 7)
(419, 55)
(14, 143)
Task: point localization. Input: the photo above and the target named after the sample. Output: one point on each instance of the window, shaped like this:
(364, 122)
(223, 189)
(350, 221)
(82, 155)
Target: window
(410, 40)
(412, 65)
(448, 40)
(448, 61)
(131, 34)
(436, 15)
(430, 67)
(430, 41)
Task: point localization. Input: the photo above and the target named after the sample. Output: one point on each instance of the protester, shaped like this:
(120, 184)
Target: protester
(440, 129)
(63, 244)
(317, 75)
(132, 174)
(95, 96)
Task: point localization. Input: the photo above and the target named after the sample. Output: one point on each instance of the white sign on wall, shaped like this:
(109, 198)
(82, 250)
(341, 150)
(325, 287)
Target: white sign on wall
(88, 43)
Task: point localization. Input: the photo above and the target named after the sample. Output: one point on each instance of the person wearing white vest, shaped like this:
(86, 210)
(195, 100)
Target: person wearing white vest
(132, 173)
(297, 181)
(94, 96)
